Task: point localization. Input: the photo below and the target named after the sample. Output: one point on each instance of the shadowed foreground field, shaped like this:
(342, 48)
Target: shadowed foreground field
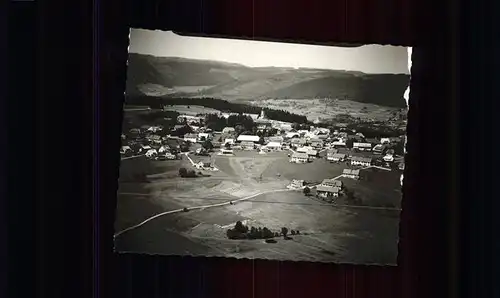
(328, 233)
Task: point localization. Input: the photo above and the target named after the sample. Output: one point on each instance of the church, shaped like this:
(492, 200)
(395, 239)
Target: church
(262, 121)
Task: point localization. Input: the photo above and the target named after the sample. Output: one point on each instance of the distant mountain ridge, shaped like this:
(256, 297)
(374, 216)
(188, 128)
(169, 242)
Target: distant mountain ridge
(174, 77)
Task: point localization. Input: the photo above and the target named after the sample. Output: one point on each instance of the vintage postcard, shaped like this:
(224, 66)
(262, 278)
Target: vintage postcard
(262, 150)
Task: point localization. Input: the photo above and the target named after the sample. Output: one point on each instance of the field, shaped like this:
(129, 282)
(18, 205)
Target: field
(328, 109)
(328, 233)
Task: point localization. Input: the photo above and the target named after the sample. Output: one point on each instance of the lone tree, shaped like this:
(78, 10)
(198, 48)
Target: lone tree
(227, 145)
(284, 232)
(349, 143)
(307, 191)
(207, 145)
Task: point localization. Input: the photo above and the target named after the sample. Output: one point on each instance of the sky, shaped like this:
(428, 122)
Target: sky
(367, 59)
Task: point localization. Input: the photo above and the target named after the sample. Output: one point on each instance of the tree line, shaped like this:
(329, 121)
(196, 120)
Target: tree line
(218, 104)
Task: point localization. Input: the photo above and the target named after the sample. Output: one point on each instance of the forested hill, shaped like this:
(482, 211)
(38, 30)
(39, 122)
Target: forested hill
(179, 77)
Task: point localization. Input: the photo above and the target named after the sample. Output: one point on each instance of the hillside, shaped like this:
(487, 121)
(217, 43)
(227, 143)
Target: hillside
(179, 77)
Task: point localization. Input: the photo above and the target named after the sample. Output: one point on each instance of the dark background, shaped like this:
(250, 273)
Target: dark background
(65, 109)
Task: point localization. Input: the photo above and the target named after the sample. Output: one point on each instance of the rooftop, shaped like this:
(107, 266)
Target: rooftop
(332, 189)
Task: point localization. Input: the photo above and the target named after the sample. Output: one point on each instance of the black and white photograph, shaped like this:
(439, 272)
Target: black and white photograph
(262, 150)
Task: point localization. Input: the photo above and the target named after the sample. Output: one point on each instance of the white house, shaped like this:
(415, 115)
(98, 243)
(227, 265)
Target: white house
(125, 149)
(191, 137)
(351, 173)
(155, 139)
(229, 140)
(248, 138)
(336, 157)
(204, 136)
(228, 130)
(362, 146)
(298, 157)
(151, 152)
(297, 142)
(155, 128)
(274, 146)
(296, 184)
(304, 149)
(332, 183)
(315, 143)
(338, 143)
(203, 165)
(388, 158)
(144, 148)
(245, 145)
(327, 191)
(226, 152)
(385, 140)
(163, 149)
(312, 153)
(360, 160)
(378, 149)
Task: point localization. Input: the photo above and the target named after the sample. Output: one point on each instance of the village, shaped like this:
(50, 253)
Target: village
(302, 144)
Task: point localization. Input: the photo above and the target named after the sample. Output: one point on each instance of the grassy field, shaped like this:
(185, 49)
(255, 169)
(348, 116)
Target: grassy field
(328, 108)
(329, 233)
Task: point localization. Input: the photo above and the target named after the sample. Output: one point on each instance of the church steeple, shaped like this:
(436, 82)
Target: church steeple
(262, 114)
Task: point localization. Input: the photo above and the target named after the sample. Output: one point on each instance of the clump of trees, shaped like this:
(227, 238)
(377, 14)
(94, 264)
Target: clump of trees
(240, 231)
(185, 173)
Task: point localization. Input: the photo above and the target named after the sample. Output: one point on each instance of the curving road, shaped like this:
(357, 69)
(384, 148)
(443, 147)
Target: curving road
(198, 208)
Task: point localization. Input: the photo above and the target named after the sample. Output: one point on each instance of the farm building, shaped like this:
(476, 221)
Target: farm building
(304, 149)
(151, 152)
(389, 158)
(191, 137)
(312, 153)
(155, 139)
(274, 146)
(125, 149)
(298, 157)
(362, 146)
(248, 138)
(226, 152)
(296, 184)
(332, 183)
(360, 160)
(336, 157)
(385, 140)
(379, 149)
(351, 173)
(338, 143)
(144, 148)
(230, 141)
(203, 165)
(297, 142)
(318, 144)
(247, 145)
(204, 136)
(163, 149)
(327, 191)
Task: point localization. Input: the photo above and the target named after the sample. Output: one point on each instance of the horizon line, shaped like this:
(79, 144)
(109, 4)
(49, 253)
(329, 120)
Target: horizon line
(257, 67)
